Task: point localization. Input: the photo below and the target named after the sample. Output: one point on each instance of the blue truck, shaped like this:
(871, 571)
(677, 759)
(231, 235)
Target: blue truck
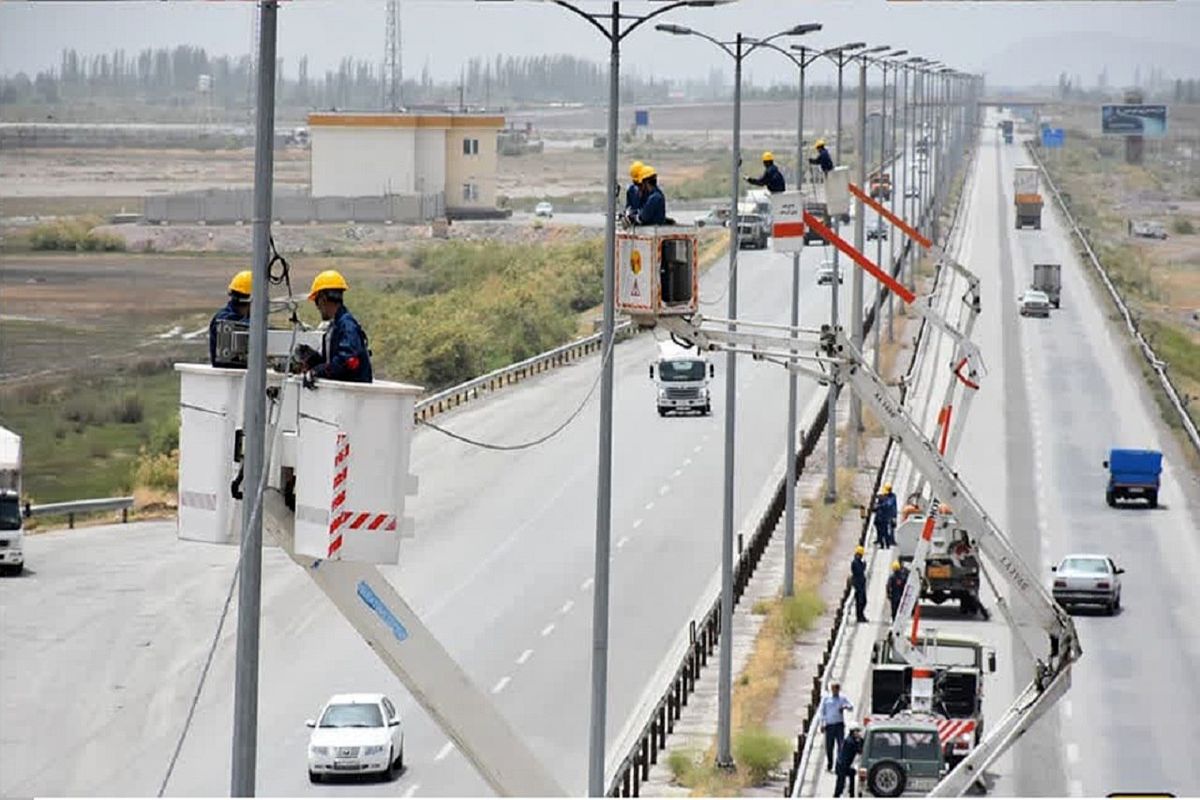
(1133, 475)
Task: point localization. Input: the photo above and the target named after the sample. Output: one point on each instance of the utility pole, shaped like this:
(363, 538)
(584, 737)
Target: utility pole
(854, 426)
(835, 285)
(245, 702)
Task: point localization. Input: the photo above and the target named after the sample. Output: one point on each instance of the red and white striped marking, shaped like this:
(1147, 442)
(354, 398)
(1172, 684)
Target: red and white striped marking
(341, 519)
(948, 729)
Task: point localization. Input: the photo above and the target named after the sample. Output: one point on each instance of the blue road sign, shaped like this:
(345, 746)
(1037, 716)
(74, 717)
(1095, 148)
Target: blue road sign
(1053, 137)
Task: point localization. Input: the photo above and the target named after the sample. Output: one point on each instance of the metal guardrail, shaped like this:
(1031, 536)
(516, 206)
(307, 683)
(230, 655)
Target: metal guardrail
(1157, 364)
(457, 395)
(70, 509)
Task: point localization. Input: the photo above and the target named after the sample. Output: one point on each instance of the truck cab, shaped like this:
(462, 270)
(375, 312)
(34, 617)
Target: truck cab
(1133, 475)
(12, 553)
(682, 379)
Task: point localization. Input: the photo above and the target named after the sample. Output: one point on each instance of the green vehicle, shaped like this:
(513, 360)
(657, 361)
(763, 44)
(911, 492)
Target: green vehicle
(900, 757)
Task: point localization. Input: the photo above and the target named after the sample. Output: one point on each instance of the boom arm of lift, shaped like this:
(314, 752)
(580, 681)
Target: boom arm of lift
(836, 360)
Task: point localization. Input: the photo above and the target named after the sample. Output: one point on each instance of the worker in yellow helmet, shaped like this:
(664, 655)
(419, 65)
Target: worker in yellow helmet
(858, 580)
(771, 178)
(895, 586)
(822, 158)
(346, 357)
(653, 210)
(633, 195)
(237, 310)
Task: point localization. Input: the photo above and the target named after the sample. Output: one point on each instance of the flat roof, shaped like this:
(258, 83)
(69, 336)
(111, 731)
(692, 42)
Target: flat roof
(342, 119)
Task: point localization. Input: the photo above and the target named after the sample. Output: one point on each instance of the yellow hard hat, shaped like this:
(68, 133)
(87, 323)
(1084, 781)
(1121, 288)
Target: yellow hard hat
(819, 143)
(858, 551)
(635, 170)
(887, 487)
(647, 172)
(242, 282)
(768, 156)
(329, 279)
(895, 566)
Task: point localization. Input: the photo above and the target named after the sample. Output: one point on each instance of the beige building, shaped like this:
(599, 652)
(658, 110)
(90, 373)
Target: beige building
(373, 155)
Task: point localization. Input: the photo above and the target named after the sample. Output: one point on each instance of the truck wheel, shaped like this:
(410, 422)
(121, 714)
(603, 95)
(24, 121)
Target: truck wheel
(887, 779)
(1037, 226)
(1152, 498)
(662, 412)
(1111, 499)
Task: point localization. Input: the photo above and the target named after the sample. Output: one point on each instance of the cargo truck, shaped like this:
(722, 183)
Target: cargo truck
(1006, 128)
(1133, 475)
(1048, 278)
(682, 379)
(1027, 197)
(12, 555)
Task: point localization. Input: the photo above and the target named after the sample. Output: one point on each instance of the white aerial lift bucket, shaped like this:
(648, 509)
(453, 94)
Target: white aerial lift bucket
(657, 272)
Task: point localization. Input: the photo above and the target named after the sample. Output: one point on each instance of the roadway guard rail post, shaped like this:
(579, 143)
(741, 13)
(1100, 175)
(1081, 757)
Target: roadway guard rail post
(70, 509)
(1131, 324)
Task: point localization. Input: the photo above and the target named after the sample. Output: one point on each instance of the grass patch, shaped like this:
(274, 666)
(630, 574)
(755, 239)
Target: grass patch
(74, 234)
(758, 752)
(1183, 227)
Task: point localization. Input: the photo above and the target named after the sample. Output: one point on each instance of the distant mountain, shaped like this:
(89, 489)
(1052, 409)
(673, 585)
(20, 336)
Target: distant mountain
(1039, 60)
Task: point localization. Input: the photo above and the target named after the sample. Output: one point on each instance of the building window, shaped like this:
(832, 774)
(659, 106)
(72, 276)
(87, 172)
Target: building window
(470, 147)
(470, 192)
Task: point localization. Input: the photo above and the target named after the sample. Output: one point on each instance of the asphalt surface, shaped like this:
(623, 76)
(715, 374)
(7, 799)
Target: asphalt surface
(101, 644)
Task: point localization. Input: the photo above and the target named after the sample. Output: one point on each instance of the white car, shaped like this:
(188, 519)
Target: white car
(356, 734)
(1087, 579)
(543, 209)
(1033, 303)
(913, 192)
(826, 272)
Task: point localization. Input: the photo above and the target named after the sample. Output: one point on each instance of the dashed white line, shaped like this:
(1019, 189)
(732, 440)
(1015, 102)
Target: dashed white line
(583, 587)
(1068, 709)
(624, 540)
(445, 751)
(637, 523)
(1072, 753)
(666, 487)
(549, 629)
(676, 473)
(521, 659)
(566, 607)
(1075, 788)
(687, 462)
(500, 684)
(650, 505)
(412, 790)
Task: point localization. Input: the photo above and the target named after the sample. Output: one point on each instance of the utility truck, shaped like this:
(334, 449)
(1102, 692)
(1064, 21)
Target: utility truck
(1027, 197)
(951, 570)
(682, 377)
(12, 554)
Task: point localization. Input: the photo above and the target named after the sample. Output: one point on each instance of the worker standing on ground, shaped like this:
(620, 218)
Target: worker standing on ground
(771, 178)
(850, 750)
(885, 517)
(653, 210)
(858, 579)
(895, 586)
(832, 723)
(633, 195)
(236, 310)
(346, 357)
(822, 159)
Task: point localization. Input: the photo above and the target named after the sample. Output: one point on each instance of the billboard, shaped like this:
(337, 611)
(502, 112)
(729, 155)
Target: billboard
(1133, 120)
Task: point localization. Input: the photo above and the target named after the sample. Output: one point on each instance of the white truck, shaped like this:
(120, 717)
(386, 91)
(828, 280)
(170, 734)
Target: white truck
(1048, 278)
(1027, 197)
(682, 379)
(12, 554)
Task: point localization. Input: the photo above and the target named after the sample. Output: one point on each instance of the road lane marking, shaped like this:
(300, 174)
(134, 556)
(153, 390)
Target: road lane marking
(650, 505)
(583, 587)
(637, 523)
(549, 629)
(687, 462)
(521, 659)
(500, 684)
(412, 790)
(624, 540)
(666, 487)
(1068, 709)
(1075, 788)
(698, 447)
(1073, 753)
(445, 751)
(676, 473)
(566, 607)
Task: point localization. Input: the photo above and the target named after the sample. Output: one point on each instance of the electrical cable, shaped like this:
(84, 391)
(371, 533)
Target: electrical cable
(541, 439)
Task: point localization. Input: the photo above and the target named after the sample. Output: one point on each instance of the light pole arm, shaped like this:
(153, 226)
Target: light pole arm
(656, 12)
(590, 18)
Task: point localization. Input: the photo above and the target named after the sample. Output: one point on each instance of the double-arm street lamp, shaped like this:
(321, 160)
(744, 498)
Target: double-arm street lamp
(737, 49)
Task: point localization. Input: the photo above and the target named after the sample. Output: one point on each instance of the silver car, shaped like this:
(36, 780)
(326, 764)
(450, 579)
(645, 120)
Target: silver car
(1034, 303)
(1087, 579)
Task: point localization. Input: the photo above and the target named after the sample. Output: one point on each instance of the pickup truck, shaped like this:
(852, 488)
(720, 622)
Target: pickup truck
(752, 231)
(1133, 475)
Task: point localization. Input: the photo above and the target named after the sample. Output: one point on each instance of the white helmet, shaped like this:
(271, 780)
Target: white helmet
(854, 726)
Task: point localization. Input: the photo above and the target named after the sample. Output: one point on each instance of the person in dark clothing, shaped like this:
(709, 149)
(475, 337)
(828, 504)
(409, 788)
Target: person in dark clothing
(236, 310)
(346, 357)
(771, 178)
(822, 159)
(885, 517)
(851, 749)
(633, 195)
(858, 579)
(654, 203)
(895, 586)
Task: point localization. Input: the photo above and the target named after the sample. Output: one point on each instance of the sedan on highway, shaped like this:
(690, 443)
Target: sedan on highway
(543, 209)
(1033, 303)
(356, 734)
(826, 272)
(1087, 579)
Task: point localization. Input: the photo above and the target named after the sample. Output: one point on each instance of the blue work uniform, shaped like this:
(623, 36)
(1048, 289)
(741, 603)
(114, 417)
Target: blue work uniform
(823, 159)
(771, 178)
(885, 520)
(850, 750)
(346, 357)
(228, 312)
(654, 208)
(633, 198)
(858, 579)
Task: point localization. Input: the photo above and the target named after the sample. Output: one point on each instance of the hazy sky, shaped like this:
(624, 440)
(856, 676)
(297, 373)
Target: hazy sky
(1011, 41)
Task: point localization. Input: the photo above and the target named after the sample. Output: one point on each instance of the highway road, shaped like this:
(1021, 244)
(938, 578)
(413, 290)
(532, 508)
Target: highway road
(1060, 392)
(103, 641)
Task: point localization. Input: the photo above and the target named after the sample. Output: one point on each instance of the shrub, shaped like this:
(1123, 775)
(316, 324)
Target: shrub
(1183, 227)
(158, 471)
(800, 611)
(758, 751)
(128, 410)
(682, 764)
(74, 233)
